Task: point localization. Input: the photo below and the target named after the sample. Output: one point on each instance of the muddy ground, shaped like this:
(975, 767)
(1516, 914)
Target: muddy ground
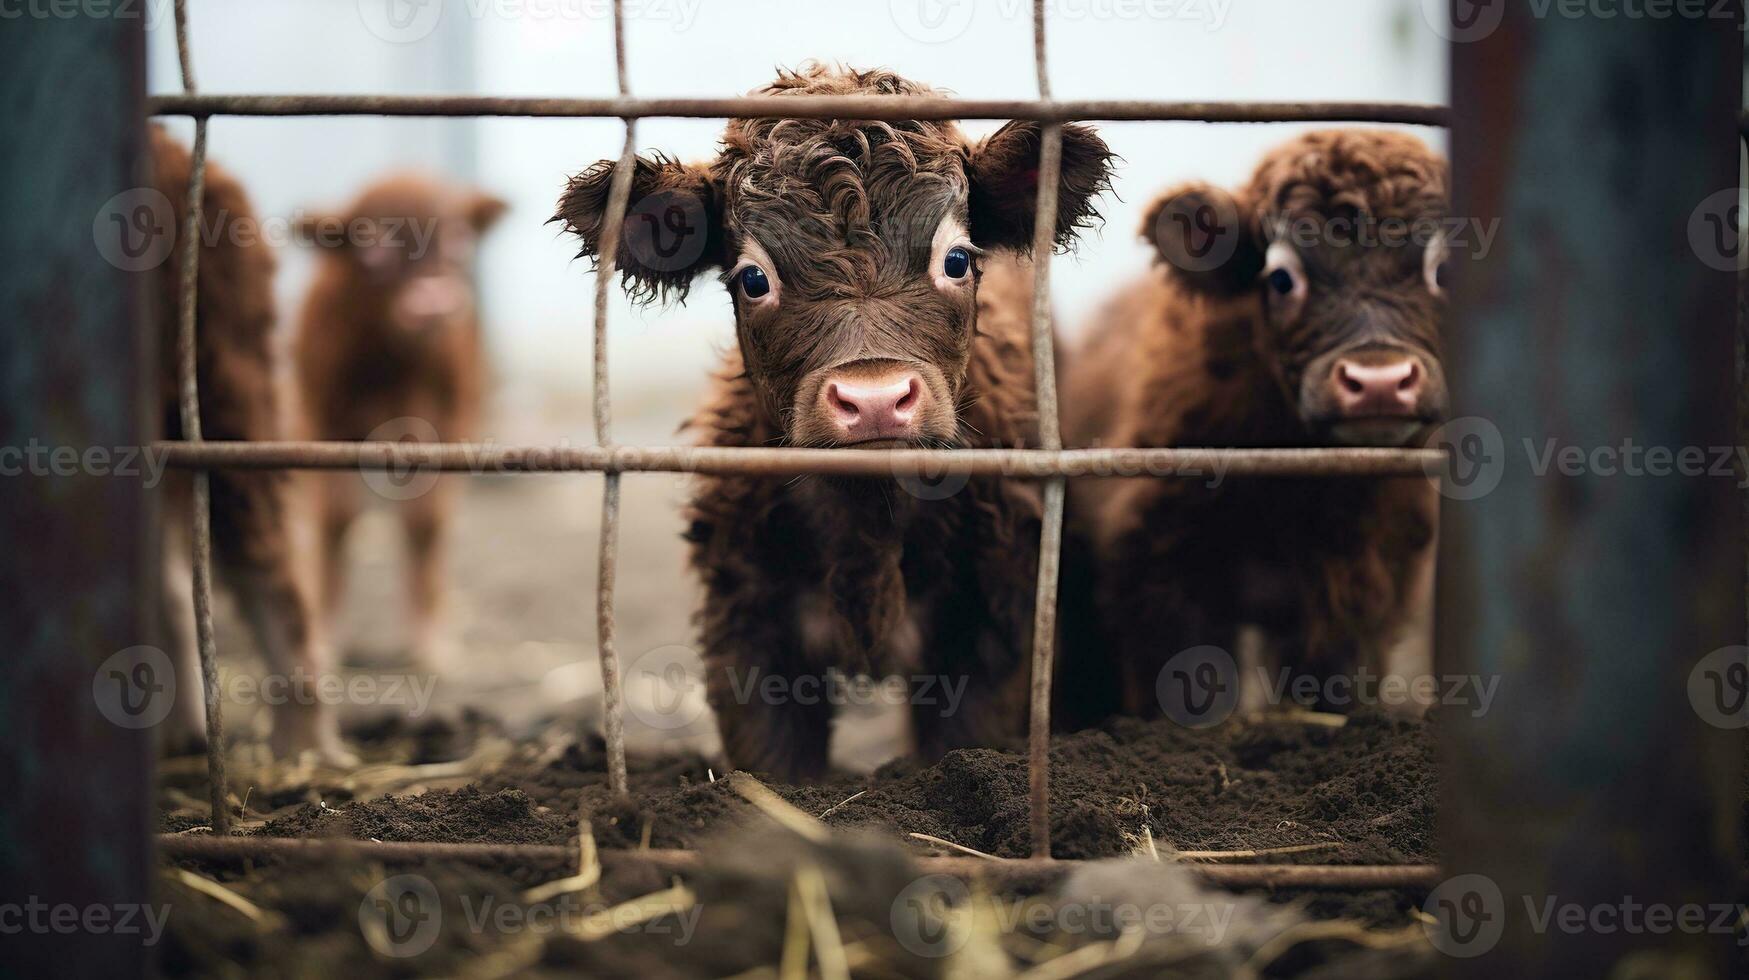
(1362, 793)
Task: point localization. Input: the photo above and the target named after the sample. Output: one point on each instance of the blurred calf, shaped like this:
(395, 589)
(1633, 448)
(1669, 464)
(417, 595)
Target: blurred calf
(389, 347)
(252, 519)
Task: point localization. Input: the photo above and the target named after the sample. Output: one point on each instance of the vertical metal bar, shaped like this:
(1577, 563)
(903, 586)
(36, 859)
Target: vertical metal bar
(190, 411)
(618, 195)
(1044, 626)
(80, 368)
(1599, 780)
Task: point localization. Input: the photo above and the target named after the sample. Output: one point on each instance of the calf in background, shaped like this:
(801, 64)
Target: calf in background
(254, 515)
(389, 347)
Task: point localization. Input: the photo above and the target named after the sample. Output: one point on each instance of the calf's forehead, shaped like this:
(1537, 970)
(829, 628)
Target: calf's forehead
(881, 218)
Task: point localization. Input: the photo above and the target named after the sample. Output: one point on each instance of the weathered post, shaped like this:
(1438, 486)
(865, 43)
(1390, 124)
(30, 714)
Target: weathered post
(76, 360)
(1592, 346)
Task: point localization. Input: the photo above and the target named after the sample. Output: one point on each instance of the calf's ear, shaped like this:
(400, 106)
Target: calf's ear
(673, 228)
(1004, 184)
(485, 209)
(319, 228)
(1205, 238)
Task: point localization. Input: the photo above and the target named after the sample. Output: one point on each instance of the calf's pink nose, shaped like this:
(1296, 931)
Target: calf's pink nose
(428, 297)
(885, 407)
(1379, 389)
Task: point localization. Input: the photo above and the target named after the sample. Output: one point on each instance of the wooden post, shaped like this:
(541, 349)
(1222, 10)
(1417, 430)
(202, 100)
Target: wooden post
(1592, 346)
(77, 361)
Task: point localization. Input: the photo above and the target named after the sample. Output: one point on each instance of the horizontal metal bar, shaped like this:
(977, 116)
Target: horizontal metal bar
(921, 464)
(800, 107)
(231, 850)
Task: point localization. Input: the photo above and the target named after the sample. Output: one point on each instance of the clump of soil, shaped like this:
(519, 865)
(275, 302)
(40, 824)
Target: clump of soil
(1364, 791)
(464, 816)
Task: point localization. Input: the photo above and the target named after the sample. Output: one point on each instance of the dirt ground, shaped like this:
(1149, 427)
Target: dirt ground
(507, 750)
(1362, 793)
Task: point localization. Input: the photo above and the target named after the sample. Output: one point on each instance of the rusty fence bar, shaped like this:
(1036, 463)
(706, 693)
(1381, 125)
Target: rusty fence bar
(200, 521)
(888, 107)
(482, 458)
(1050, 546)
(618, 199)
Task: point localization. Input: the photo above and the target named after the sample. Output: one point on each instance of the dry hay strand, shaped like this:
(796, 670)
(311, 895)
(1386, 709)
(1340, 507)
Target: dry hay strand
(262, 918)
(632, 912)
(963, 849)
(1251, 854)
(778, 809)
(588, 871)
(1339, 929)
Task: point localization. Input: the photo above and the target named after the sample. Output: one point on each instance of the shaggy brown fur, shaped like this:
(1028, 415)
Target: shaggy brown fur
(389, 347)
(815, 575)
(1333, 570)
(251, 510)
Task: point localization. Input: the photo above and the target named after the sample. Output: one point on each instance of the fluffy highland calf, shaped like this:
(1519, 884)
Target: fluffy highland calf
(253, 519)
(879, 301)
(389, 347)
(1303, 309)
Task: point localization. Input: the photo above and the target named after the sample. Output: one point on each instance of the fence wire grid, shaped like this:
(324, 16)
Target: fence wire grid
(1051, 463)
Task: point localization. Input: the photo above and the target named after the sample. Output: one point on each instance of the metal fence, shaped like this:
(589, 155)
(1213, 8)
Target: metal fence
(1051, 463)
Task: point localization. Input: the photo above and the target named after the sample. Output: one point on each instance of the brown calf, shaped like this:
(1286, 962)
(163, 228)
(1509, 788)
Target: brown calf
(389, 347)
(252, 519)
(1302, 310)
(879, 301)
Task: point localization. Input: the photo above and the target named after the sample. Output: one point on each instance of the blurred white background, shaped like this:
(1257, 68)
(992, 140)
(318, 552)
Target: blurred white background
(537, 296)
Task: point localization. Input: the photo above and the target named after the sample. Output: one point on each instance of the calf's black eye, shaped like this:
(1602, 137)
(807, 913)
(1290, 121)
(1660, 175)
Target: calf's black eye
(957, 263)
(1282, 281)
(753, 282)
